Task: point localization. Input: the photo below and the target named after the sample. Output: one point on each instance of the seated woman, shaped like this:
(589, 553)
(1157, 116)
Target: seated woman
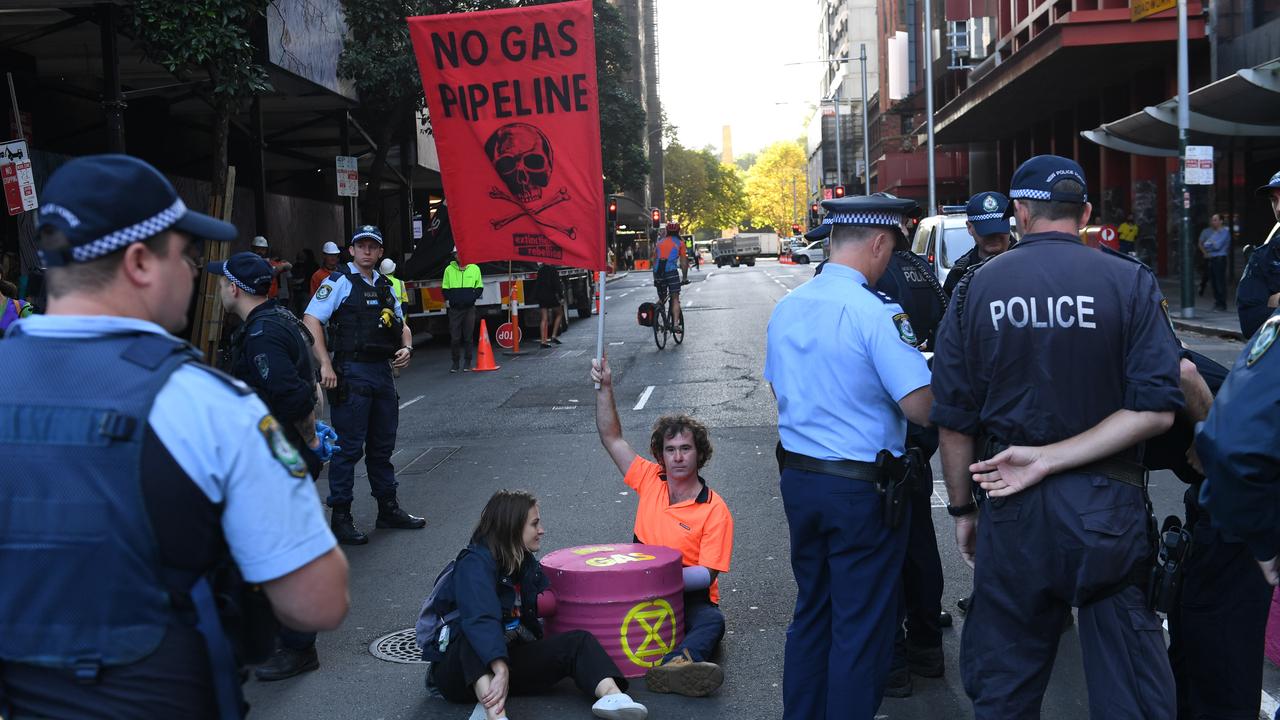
(496, 646)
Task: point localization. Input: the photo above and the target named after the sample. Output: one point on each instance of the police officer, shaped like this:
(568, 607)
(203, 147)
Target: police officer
(1259, 291)
(121, 504)
(1061, 359)
(271, 353)
(910, 281)
(369, 336)
(846, 549)
(988, 225)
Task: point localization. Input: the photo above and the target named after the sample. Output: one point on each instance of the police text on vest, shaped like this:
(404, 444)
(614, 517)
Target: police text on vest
(1046, 312)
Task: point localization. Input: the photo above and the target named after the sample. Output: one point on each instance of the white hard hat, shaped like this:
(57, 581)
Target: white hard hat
(387, 267)
(259, 241)
(331, 248)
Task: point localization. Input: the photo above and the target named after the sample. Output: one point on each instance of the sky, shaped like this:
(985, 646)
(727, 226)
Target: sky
(722, 63)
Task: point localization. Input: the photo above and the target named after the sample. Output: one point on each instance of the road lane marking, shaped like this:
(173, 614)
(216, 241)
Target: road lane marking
(644, 398)
(407, 404)
(620, 342)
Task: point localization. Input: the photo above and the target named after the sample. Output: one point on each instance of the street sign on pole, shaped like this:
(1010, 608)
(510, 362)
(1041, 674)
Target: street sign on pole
(19, 182)
(1184, 124)
(1139, 9)
(348, 176)
(1199, 165)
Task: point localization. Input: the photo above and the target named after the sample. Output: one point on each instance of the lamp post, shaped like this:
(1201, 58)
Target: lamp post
(866, 147)
(1184, 120)
(928, 104)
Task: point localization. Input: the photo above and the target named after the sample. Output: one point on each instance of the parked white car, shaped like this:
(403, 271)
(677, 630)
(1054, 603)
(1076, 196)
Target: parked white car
(814, 252)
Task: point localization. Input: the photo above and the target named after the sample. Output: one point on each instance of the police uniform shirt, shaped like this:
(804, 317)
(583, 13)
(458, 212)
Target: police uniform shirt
(1261, 279)
(223, 441)
(335, 290)
(1238, 450)
(914, 287)
(269, 363)
(840, 357)
(1049, 338)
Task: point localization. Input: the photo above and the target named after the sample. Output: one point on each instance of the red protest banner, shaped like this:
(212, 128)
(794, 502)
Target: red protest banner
(515, 113)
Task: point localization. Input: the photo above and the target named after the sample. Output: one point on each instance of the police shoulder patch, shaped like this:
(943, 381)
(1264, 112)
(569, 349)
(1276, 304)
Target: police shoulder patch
(1263, 340)
(905, 332)
(324, 291)
(281, 448)
(260, 362)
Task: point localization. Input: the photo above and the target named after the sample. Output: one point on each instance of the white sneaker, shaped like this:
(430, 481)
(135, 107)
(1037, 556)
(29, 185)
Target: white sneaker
(619, 706)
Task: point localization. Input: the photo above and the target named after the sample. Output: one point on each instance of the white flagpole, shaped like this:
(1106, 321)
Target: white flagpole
(600, 323)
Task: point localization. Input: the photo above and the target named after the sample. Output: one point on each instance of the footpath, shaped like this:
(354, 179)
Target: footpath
(1205, 320)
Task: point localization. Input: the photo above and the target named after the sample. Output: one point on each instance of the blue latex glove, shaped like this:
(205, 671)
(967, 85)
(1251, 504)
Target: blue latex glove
(328, 437)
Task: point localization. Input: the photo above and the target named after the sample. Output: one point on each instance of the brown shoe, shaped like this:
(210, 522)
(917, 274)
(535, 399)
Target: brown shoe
(683, 676)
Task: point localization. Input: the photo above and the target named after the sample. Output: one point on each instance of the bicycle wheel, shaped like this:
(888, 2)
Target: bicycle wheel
(660, 327)
(677, 329)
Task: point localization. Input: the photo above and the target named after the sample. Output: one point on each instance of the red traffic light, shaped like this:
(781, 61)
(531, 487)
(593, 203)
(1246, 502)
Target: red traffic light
(813, 208)
(656, 216)
(613, 206)
(838, 191)
(795, 229)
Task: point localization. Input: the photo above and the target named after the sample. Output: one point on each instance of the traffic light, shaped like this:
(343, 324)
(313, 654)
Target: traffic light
(838, 191)
(795, 229)
(656, 216)
(613, 212)
(813, 215)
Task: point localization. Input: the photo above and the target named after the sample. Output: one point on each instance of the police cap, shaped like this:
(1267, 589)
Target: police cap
(1035, 180)
(103, 203)
(369, 232)
(1273, 184)
(875, 210)
(986, 211)
(822, 232)
(247, 271)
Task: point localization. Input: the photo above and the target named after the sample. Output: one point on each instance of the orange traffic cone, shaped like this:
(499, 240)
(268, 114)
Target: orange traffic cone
(484, 353)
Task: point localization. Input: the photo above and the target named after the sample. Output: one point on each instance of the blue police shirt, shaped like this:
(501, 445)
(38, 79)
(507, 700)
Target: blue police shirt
(1053, 339)
(272, 520)
(839, 361)
(1237, 447)
(332, 292)
(1261, 278)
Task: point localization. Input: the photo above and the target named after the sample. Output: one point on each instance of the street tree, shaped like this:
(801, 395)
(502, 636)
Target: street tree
(703, 193)
(775, 186)
(206, 39)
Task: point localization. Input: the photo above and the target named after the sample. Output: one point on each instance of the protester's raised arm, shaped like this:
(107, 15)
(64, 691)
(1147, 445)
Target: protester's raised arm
(607, 423)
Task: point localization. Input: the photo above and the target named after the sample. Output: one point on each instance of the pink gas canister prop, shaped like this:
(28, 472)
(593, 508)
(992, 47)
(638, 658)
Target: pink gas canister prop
(630, 597)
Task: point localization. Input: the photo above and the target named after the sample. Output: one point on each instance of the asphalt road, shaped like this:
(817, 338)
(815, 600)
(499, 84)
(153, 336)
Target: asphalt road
(531, 425)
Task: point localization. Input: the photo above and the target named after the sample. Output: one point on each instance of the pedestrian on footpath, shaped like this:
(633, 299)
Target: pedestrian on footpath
(1215, 243)
(462, 287)
(988, 225)
(1259, 291)
(677, 510)
(548, 291)
(145, 479)
(1055, 411)
(369, 336)
(495, 647)
(271, 353)
(841, 454)
(329, 266)
(1127, 235)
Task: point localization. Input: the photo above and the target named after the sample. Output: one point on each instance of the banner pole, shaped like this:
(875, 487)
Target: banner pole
(600, 324)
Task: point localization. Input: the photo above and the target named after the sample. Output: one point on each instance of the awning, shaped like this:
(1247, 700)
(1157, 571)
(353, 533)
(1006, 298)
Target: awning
(1245, 104)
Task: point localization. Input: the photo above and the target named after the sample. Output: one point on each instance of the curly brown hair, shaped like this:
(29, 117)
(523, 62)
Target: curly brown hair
(669, 426)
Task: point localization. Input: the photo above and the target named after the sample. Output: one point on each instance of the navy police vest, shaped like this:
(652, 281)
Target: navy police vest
(356, 327)
(84, 585)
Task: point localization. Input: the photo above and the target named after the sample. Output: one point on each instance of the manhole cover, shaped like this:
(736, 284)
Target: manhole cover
(400, 646)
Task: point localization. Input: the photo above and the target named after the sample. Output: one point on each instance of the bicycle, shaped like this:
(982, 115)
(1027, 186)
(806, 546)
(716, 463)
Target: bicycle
(662, 325)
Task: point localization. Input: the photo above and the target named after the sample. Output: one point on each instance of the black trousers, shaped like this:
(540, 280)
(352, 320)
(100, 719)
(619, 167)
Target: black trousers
(535, 666)
(922, 577)
(462, 332)
(1217, 630)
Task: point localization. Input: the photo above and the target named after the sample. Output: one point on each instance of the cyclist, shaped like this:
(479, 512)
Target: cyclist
(668, 258)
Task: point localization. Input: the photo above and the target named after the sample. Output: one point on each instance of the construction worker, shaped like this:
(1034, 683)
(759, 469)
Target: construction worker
(331, 256)
(462, 286)
(386, 267)
(280, 280)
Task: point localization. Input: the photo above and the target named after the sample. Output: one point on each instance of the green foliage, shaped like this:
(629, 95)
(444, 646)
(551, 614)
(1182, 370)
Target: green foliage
(703, 193)
(205, 36)
(776, 186)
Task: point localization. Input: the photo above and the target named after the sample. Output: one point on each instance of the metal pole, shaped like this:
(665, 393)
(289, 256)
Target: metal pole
(112, 101)
(17, 116)
(1184, 120)
(866, 141)
(928, 104)
(795, 218)
(839, 160)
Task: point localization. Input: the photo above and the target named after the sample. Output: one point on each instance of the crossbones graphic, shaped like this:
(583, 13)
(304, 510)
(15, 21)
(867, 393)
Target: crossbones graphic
(562, 195)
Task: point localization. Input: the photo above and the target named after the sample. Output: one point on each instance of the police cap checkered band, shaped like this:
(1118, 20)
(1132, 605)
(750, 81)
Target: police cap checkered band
(887, 219)
(226, 272)
(986, 216)
(137, 232)
(103, 203)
